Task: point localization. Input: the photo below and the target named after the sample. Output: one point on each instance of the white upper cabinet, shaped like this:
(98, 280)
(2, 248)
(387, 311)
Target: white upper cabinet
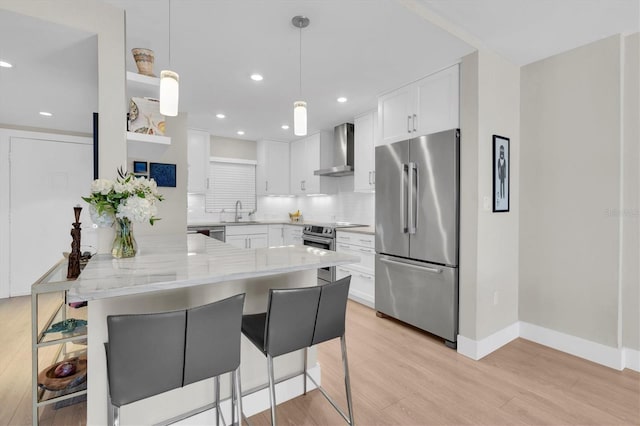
(272, 171)
(307, 155)
(365, 130)
(427, 106)
(198, 147)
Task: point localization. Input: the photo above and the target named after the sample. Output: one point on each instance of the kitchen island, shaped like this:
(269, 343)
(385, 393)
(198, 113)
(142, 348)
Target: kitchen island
(183, 271)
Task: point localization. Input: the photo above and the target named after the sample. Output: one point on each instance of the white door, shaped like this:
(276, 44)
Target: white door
(298, 166)
(48, 178)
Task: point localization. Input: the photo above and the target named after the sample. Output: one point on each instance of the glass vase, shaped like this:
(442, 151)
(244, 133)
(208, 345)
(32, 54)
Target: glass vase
(124, 243)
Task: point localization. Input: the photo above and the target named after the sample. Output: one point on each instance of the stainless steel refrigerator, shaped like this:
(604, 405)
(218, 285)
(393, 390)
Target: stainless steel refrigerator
(417, 227)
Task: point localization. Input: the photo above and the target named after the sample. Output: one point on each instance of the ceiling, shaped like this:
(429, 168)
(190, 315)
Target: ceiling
(353, 48)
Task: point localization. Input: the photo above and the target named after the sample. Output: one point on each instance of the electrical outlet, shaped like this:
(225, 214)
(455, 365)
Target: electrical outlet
(486, 203)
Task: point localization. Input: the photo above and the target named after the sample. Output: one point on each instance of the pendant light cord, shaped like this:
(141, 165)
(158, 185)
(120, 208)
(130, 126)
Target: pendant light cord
(300, 56)
(169, 2)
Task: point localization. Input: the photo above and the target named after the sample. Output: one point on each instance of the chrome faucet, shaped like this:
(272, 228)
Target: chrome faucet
(238, 215)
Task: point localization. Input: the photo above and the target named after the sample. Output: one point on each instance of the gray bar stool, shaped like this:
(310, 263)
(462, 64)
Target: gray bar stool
(297, 319)
(212, 348)
(145, 356)
(148, 354)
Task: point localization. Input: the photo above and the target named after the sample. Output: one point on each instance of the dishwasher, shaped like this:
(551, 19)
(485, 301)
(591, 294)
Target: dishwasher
(216, 232)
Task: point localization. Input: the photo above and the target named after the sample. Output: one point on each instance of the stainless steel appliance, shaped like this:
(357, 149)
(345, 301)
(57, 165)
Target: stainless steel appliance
(343, 152)
(216, 232)
(417, 221)
(324, 237)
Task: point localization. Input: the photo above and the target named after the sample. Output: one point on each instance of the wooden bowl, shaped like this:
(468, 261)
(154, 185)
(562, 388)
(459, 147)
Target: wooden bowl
(48, 380)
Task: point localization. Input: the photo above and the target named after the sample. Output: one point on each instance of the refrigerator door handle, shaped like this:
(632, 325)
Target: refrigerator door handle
(413, 191)
(404, 197)
(410, 265)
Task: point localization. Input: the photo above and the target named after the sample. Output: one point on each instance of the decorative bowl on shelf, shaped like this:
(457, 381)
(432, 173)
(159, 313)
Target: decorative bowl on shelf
(72, 372)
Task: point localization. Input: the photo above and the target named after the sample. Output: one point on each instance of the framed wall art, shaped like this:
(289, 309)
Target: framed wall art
(501, 171)
(163, 174)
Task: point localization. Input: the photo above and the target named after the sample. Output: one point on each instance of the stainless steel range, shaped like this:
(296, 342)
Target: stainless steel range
(324, 237)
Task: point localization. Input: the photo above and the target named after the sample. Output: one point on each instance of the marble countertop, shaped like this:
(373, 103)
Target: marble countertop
(369, 230)
(167, 262)
(209, 222)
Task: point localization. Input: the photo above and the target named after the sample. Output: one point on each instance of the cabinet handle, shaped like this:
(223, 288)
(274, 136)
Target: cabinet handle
(366, 250)
(415, 118)
(408, 124)
(366, 277)
(266, 185)
(373, 180)
(207, 183)
(345, 247)
(249, 239)
(369, 178)
(343, 270)
(365, 241)
(345, 238)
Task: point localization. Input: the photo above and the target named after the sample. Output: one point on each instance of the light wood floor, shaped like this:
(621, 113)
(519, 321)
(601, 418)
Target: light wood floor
(399, 376)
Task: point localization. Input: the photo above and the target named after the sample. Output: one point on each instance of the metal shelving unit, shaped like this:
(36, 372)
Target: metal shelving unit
(54, 282)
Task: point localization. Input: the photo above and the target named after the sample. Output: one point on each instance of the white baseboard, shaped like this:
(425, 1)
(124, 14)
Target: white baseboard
(631, 359)
(258, 401)
(477, 349)
(583, 348)
(618, 359)
(362, 299)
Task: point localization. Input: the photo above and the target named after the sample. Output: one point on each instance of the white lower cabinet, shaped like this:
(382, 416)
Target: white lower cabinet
(247, 236)
(362, 288)
(292, 235)
(276, 235)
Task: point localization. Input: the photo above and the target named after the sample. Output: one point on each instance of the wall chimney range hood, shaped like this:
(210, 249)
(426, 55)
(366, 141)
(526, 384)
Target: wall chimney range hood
(343, 162)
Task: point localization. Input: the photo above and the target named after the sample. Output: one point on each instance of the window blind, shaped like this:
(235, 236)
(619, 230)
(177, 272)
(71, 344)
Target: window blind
(229, 181)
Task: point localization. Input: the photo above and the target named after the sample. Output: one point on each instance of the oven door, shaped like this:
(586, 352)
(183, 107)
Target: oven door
(326, 274)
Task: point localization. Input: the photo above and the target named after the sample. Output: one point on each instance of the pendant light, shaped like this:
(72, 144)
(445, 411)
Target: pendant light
(300, 107)
(169, 84)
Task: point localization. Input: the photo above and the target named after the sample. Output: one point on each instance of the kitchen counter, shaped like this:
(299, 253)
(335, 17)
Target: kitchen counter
(209, 222)
(177, 261)
(369, 230)
(183, 271)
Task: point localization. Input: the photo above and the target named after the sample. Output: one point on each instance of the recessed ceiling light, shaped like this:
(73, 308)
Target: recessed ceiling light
(342, 99)
(240, 132)
(256, 77)
(4, 64)
(45, 113)
(285, 126)
(220, 115)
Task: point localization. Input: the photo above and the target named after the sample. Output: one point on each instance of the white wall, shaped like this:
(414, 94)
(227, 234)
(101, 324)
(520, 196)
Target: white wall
(108, 22)
(233, 148)
(570, 184)
(490, 100)
(630, 214)
(173, 210)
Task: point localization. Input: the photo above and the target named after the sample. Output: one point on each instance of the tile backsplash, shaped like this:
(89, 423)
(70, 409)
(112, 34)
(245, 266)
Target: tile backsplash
(344, 207)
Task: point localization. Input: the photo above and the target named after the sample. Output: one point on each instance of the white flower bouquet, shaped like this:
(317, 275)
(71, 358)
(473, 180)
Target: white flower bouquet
(128, 197)
(125, 200)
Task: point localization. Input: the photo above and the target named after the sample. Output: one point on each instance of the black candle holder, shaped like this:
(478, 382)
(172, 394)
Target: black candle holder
(73, 270)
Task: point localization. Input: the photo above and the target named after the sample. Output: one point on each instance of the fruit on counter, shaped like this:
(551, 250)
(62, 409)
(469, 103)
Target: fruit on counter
(65, 369)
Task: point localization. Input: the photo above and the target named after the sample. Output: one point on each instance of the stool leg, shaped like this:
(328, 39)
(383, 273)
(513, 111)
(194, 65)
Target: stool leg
(233, 397)
(347, 384)
(272, 390)
(116, 416)
(239, 394)
(216, 380)
(304, 374)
